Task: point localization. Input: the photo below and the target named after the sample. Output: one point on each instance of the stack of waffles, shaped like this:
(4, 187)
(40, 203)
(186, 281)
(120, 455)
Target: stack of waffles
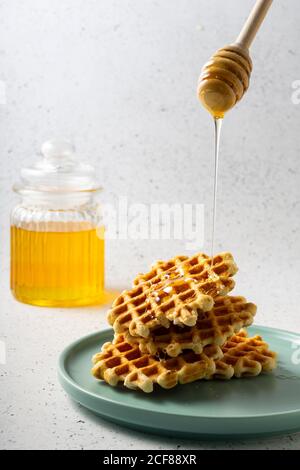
(178, 324)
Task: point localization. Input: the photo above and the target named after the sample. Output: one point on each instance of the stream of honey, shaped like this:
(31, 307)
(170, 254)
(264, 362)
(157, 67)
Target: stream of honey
(218, 125)
(215, 100)
(57, 268)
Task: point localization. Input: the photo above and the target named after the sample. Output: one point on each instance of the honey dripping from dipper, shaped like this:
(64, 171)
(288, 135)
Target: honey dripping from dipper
(223, 82)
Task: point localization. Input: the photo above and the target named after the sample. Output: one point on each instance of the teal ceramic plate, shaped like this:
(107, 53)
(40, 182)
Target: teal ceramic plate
(263, 405)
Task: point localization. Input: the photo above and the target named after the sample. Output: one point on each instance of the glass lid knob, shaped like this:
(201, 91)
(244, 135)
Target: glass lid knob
(58, 152)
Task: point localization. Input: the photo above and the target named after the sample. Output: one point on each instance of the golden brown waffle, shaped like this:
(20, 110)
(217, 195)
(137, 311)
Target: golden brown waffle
(174, 291)
(228, 316)
(244, 357)
(122, 362)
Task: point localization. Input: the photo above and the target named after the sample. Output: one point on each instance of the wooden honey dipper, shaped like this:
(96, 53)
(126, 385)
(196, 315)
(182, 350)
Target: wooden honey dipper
(225, 77)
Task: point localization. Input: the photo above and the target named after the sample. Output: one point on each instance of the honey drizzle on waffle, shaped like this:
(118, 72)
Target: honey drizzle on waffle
(172, 292)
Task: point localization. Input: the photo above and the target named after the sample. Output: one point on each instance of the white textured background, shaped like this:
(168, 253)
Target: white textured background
(118, 77)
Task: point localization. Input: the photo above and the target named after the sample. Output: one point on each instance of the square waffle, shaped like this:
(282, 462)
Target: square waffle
(244, 357)
(125, 363)
(173, 291)
(228, 316)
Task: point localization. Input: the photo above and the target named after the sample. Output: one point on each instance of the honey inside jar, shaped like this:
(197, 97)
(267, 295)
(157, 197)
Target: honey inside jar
(57, 268)
(57, 232)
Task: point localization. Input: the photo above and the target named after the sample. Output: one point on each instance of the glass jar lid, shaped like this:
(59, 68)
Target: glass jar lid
(58, 171)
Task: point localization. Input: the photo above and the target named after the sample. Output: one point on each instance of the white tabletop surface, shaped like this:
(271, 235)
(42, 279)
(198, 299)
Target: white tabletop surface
(118, 78)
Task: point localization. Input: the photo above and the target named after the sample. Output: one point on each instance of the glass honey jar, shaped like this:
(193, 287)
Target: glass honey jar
(57, 236)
